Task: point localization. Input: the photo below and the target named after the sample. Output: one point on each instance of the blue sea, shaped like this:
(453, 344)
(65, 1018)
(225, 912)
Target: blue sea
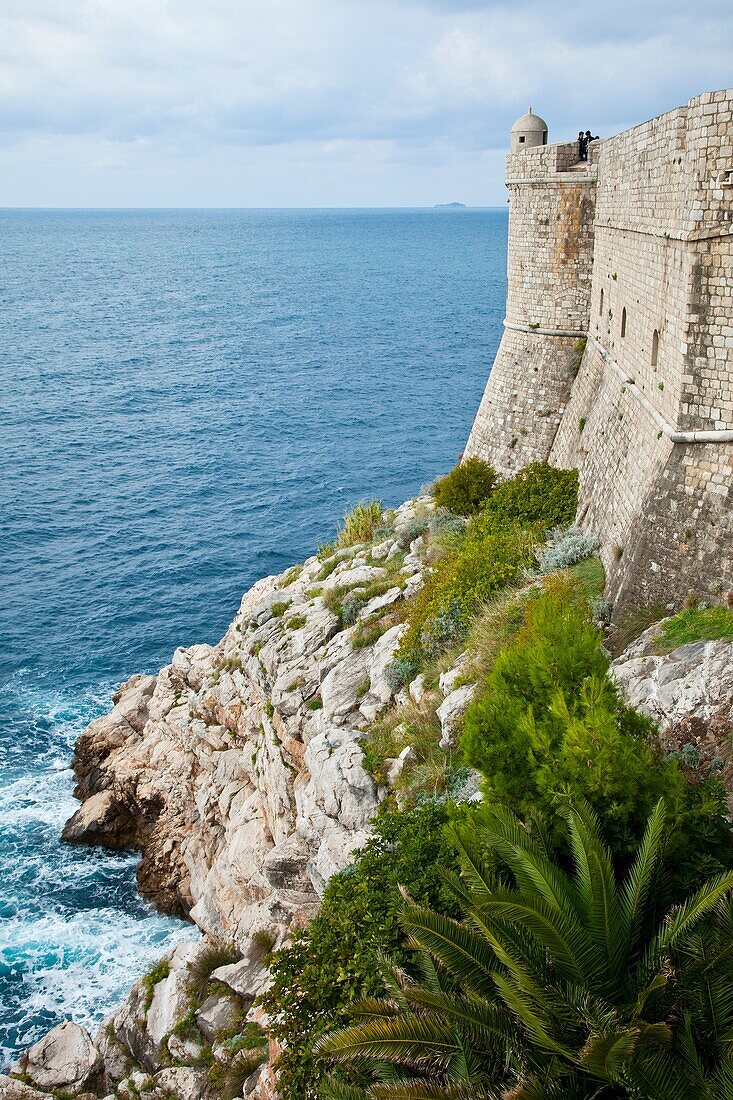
(189, 400)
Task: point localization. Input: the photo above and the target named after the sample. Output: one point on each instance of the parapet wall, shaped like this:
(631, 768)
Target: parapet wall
(639, 276)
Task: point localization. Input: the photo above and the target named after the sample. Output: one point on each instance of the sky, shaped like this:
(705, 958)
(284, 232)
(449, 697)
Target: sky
(226, 103)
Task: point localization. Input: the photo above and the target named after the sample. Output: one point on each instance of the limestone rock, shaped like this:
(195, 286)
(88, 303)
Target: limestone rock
(217, 1013)
(688, 692)
(12, 1089)
(247, 977)
(65, 1058)
(451, 710)
(184, 1049)
(171, 996)
(405, 758)
(692, 684)
(183, 1082)
(349, 578)
(448, 679)
(102, 820)
(417, 689)
(237, 772)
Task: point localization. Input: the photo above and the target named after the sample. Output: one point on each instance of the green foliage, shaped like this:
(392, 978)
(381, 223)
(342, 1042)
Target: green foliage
(158, 973)
(346, 601)
(431, 769)
(337, 957)
(539, 495)
(279, 607)
(554, 984)
(291, 576)
(472, 572)
(695, 625)
(206, 962)
(491, 554)
(466, 488)
(369, 632)
(564, 548)
(295, 622)
(330, 561)
(548, 720)
(247, 1051)
(360, 524)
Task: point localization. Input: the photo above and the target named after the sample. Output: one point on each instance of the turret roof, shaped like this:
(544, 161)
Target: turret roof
(531, 123)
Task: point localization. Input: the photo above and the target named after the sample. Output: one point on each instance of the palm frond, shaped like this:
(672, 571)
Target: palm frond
(596, 885)
(432, 1090)
(335, 1091)
(683, 919)
(476, 874)
(527, 1013)
(407, 1040)
(466, 954)
(558, 931)
(606, 1056)
(531, 868)
(638, 882)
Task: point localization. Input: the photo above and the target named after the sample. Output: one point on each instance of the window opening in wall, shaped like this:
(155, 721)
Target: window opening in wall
(600, 307)
(521, 141)
(655, 348)
(623, 321)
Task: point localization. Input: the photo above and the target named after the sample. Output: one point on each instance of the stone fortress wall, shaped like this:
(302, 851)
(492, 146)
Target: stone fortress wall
(617, 355)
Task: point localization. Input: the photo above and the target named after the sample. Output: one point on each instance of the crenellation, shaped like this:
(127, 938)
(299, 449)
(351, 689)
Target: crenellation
(618, 347)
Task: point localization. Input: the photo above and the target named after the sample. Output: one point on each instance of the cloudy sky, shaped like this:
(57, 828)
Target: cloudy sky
(324, 102)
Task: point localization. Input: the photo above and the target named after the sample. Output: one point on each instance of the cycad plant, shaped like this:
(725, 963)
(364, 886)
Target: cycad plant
(554, 985)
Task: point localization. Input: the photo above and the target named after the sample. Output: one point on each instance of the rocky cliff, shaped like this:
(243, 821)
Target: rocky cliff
(238, 772)
(237, 769)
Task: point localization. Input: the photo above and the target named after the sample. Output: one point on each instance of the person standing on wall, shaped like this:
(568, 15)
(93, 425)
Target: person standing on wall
(582, 146)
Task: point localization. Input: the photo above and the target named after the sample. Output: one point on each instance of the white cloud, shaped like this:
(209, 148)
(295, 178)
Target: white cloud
(372, 93)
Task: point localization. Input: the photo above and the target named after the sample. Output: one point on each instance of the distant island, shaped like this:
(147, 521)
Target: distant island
(450, 206)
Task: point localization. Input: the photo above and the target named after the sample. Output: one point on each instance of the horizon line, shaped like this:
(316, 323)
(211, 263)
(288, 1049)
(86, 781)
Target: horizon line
(434, 206)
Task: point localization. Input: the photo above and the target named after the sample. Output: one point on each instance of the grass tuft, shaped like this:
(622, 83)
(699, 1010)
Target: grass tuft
(360, 523)
(207, 961)
(695, 625)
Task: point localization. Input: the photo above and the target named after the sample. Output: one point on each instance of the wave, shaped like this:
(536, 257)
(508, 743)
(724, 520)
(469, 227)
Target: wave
(74, 933)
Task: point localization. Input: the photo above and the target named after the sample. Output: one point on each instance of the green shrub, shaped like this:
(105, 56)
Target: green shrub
(369, 632)
(336, 959)
(566, 547)
(360, 524)
(539, 495)
(548, 720)
(490, 554)
(695, 625)
(400, 671)
(466, 487)
(472, 572)
(279, 607)
(431, 770)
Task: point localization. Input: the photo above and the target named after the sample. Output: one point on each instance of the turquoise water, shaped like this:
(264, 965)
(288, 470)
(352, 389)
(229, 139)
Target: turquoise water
(189, 400)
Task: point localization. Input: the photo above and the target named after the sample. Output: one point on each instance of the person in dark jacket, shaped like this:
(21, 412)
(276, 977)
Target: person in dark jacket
(582, 146)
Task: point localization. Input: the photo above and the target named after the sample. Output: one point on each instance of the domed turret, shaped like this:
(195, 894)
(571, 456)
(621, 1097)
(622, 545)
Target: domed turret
(527, 131)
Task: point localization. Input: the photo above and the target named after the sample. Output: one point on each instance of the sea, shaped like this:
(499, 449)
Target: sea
(189, 400)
